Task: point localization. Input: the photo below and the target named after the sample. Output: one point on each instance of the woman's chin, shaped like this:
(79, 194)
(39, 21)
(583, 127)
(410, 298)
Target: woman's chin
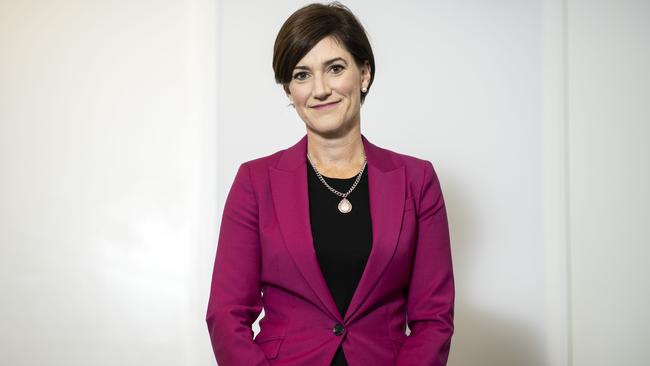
(329, 130)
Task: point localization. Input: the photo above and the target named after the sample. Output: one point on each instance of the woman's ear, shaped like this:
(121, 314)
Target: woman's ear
(288, 93)
(365, 74)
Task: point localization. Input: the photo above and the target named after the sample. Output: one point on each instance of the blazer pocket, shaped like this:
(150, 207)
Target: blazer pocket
(409, 204)
(270, 347)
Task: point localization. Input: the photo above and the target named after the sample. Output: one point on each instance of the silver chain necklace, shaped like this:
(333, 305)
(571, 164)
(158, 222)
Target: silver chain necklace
(344, 205)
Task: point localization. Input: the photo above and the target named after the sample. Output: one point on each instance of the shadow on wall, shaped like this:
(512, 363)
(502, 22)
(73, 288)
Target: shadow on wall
(486, 339)
(482, 338)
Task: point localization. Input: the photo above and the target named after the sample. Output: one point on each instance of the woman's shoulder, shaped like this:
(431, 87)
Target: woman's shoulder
(408, 160)
(414, 165)
(263, 162)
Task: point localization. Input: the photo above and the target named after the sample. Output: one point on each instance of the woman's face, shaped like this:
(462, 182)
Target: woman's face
(326, 88)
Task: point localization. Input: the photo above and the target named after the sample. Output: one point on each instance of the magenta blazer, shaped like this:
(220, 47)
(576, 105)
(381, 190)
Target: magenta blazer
(265, 245)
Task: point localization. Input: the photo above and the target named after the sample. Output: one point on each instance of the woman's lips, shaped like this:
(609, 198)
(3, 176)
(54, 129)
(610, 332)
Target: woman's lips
(325, 106)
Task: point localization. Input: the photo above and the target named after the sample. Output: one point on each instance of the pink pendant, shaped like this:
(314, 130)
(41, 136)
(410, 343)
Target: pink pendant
(345, 206)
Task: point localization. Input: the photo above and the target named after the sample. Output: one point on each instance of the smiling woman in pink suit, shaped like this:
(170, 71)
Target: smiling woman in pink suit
(341, 242)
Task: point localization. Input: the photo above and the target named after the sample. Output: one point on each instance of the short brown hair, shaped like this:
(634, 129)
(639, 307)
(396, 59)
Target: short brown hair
(308, 26)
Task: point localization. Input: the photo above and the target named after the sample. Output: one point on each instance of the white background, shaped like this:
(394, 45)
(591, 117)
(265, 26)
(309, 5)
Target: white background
(122, 125)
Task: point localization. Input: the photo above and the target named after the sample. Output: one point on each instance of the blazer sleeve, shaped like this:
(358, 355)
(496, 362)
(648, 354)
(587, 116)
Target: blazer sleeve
(235, 295)
(430, 301)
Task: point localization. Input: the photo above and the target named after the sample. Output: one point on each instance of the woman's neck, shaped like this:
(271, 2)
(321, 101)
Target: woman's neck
(340, 157)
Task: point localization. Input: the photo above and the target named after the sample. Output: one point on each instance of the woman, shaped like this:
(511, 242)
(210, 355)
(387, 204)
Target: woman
(340, 241)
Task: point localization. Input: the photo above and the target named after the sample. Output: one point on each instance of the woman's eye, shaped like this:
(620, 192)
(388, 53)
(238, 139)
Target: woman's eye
(336, 68)
(300, 76)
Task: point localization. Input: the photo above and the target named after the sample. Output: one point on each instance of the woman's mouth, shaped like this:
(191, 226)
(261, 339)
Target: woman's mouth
(325, 106)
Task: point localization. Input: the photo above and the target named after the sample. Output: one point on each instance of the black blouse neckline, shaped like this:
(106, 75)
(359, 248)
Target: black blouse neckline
(331, 178)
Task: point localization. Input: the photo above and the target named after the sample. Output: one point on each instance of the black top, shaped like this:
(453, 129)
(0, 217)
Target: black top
(342, 241)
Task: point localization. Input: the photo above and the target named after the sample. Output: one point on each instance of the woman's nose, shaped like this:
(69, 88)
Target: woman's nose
(321, 89)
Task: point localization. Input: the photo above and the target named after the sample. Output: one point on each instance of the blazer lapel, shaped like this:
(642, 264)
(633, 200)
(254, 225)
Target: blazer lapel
(386, 186)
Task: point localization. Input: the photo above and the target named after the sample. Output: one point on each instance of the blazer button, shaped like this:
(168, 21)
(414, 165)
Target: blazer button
(338, 329)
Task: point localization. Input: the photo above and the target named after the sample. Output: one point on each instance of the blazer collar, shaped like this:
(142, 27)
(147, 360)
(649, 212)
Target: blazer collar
(296, 155)
(386, 186)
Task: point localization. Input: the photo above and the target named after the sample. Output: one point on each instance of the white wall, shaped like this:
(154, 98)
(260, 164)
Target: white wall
(107, 192)
(114, 172)
(609, 161)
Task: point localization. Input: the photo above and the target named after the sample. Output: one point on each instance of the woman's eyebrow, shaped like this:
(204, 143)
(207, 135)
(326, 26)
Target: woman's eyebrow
(300, 67)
